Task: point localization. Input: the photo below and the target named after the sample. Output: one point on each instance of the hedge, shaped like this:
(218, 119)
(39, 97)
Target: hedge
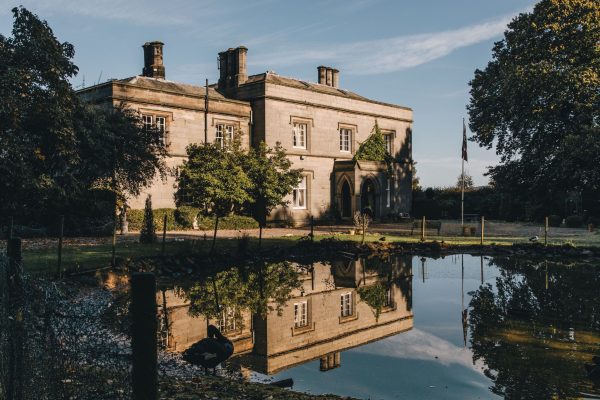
(182, 219)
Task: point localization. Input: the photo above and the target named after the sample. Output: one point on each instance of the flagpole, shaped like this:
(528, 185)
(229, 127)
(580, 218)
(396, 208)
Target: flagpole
(462, 191)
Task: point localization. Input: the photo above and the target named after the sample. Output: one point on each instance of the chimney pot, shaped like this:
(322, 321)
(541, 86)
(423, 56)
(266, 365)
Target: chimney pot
(322, 72)
(329, 77)
(335, 77)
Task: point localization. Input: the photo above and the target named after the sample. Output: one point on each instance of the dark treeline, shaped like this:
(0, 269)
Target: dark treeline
(505, 205)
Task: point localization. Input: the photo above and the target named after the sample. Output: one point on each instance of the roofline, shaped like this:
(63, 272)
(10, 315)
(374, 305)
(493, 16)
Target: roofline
(200, 96)
(367, 100)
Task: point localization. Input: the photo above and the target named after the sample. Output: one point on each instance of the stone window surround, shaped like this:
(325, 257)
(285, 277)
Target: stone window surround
(309, 175)
(392, 134)
(310, 325)
(224, 121)
(353, 314)
(310, 123)
(353, 132)
(167, 115)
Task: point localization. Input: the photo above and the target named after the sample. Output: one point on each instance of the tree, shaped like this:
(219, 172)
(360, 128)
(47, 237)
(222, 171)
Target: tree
(148, 231)
(57, 151)
(538, 102)
(272, 179)
(214, 179)
(468, 181)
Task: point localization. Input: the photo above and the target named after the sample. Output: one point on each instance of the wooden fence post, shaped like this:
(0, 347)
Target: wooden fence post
(114, 240)
(312, 228)
(61, 229)
(546, 231)
(143, 336)
(164, 238)
(423, 222)
(482, 228)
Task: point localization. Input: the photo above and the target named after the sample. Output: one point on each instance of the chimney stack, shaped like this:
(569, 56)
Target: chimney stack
(232, 66)
(322, 74)
(153, 60)
(328, 76)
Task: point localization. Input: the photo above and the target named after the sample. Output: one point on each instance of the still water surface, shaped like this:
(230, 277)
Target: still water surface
(460, 327)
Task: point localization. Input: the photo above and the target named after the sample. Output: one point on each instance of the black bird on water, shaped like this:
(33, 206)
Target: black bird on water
(211, 351)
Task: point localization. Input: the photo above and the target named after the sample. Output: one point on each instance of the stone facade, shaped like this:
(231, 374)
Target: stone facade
(319, 124)
(313, 323)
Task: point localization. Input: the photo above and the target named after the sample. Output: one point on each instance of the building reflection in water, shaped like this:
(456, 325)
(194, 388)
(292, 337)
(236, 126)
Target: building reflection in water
(335, 306)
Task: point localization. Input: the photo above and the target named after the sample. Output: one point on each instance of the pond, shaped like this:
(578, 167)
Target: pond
(402, 326)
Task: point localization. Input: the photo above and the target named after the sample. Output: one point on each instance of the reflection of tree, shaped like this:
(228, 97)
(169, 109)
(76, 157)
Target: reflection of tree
(391, 271)
(520, 330)
(375, 296)
(259, 288)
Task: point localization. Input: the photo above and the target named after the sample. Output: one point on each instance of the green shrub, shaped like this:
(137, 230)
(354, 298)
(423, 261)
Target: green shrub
(574, 221)
(176, 220)
(135, 217)
(185, 215)
(554, 221)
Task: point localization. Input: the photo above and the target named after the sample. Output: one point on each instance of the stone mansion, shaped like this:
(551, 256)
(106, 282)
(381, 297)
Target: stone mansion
(319, 124)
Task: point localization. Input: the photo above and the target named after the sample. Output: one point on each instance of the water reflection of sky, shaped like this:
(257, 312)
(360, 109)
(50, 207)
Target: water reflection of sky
(430, 361)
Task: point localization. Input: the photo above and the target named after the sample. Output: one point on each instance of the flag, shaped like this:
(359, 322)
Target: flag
(464, 144)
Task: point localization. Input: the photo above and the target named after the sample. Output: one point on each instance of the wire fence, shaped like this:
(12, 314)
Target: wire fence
(53, 344)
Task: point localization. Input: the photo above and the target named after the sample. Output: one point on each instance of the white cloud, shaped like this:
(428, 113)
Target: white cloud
(390, 54)
(420, 345)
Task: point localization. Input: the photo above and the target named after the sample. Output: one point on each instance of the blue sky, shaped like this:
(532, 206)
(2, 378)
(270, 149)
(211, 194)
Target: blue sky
(419, 54)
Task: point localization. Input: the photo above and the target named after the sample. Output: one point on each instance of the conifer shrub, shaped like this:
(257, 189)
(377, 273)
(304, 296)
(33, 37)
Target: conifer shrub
(148, 231)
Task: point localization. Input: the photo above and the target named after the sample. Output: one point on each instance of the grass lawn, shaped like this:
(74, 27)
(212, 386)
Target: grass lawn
(84, 257)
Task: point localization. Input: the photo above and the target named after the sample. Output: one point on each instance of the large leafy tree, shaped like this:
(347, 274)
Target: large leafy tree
(212, 178)
(56, 151)
(272, 179)
(538, 102)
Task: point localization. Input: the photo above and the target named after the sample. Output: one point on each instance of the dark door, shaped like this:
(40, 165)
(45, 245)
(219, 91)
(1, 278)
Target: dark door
(346, 201)
(368, 198)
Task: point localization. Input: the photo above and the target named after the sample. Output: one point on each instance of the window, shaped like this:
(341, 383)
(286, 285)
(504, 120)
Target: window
(148, 121)
(345, 140)
(300, 314)
(299, 194)
(388, 138)
(161, 126)
(346, 304)
(229, 131)
(389, 299)
(219, 134)
(223, 134)
(227, 320)
(388, 191)
(300, 130)
(156, 122)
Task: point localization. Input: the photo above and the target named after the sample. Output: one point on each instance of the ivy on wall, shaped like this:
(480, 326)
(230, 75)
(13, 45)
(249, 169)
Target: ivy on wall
(373, 149)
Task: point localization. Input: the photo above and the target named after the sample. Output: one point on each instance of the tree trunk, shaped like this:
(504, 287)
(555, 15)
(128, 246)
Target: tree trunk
(260, 228)
(212, 247)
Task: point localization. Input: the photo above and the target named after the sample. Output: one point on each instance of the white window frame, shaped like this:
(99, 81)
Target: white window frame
(148, 121)
(388, 192)
(220, 134)
(346, 305)
(229, 129)
(227, 319)
(301, 314)
(300, 134)
(345, 140)
(389, 142)
(161, 125)
(300, 194)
